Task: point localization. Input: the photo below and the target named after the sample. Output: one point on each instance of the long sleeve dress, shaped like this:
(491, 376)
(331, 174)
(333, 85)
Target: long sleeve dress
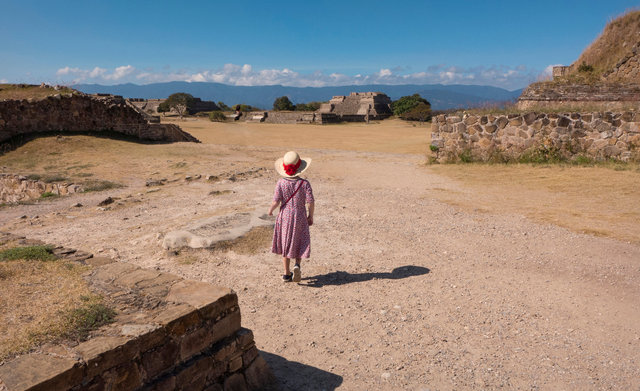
(291, 236)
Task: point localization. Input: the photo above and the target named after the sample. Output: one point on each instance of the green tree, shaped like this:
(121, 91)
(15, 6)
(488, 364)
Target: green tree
(181, 102)
(420, 112)
(407, 103)
(283, 103)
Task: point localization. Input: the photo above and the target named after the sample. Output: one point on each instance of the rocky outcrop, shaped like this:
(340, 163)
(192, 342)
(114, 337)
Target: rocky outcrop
(598, 135)
(81, 113)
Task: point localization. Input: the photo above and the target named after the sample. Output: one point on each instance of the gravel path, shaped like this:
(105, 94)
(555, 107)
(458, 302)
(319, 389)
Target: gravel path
(401, 292)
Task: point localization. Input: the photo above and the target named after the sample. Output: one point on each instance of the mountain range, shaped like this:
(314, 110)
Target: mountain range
(440, 96)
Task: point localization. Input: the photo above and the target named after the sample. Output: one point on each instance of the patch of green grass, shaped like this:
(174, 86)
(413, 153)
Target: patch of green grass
(48, 194)
(465, 156)
(35, 253)
(34, 177)
(84, 174)
(99, 185)
(92, 314)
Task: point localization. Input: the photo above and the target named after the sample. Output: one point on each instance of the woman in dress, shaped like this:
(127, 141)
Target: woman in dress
(291, 234)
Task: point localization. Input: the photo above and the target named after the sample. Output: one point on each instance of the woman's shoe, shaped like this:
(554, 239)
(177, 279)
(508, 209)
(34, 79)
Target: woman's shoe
(297, 275)
(287, 277)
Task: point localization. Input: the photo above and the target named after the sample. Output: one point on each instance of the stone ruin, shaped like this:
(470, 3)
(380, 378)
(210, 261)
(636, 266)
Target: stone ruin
(358, 107)
(150, 106)
(168, 334)
(80, 113)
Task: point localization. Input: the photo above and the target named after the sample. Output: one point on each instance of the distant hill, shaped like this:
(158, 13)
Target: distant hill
(440, 96)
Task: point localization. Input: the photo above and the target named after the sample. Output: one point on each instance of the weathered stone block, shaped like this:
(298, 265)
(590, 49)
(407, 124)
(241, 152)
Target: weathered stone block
(517, 121)
(194, 377)
(226, 326)
(258, 375)
(490, 128)
(470, 120)
(502, 122)
(195, 342)
(102, 353)
(125, 377)
(249, 355)
(159, 360)
(40, 372)
(235, 363)
(563, 122)
(164, 384)
(177, 319)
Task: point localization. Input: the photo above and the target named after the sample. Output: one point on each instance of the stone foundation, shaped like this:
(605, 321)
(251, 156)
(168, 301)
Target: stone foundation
(169, 334)
(82, 113)
(596, 135)
(16, 188)
(602, 96)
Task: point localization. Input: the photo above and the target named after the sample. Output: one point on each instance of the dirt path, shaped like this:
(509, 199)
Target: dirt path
(402, 291)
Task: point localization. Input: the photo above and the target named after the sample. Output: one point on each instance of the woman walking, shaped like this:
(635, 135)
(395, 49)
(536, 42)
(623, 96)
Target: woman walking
(291, 237)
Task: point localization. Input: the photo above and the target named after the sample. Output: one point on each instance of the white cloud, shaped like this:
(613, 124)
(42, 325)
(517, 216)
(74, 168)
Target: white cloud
(246, 75)
(4, 81)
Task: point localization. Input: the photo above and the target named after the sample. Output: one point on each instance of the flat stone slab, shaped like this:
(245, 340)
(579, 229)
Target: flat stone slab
(48, 372)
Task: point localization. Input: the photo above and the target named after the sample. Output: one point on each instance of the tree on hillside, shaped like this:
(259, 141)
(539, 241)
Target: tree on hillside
(407, 103)
(283, 103)
(181, 102)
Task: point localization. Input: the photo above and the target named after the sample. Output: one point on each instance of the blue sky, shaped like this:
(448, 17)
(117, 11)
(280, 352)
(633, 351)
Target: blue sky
(506, 44)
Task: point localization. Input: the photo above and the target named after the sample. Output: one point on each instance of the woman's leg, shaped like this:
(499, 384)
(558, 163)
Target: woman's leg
(286, 262)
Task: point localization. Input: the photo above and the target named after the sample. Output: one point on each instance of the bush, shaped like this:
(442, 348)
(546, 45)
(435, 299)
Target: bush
(311, 106)
(421, 112)
(217, 116)
(90, 316)
(584, 68)
(35, 253)
(407, 103)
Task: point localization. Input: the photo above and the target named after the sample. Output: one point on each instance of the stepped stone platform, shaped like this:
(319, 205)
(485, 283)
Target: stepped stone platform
(169, 334)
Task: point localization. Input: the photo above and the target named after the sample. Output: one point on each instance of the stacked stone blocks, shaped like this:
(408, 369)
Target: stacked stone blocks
(82, 113)
(598, 135)
(169, 334)
(16, 188)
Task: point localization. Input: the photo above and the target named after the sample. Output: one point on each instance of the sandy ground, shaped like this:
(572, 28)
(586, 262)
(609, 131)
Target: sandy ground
(403, 290)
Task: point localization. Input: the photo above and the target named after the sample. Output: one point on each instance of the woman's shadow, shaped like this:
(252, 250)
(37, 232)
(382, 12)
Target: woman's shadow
(341, 278)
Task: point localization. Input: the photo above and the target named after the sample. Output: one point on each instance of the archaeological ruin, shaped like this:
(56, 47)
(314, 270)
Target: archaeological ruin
(81, 113)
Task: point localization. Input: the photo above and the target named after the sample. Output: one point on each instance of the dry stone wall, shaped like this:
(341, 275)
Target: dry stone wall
(16, 188)
(598, 135)
(81, 113)
(627, 69)
(169, 334)
(599, 96)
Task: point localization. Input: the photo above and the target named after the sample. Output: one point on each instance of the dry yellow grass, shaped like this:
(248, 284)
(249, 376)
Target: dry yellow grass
(393, 135)
(15, 91)
(36, 298)
(616, 40)
(594, 200)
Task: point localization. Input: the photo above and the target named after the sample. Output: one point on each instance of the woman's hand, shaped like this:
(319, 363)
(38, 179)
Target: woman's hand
(310, 220)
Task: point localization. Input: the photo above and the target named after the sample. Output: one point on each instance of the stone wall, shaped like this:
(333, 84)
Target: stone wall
(16, 188)
(602, 96)
(81, 113)
(599, 135)
(289, 117)
(169, 334)
(627, 69)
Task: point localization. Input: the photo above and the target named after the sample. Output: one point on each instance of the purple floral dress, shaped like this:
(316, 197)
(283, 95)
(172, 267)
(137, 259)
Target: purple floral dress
(291, 234)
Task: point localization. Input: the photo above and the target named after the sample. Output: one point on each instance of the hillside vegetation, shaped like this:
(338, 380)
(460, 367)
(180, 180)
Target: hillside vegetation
(616, 41)
(29, 91)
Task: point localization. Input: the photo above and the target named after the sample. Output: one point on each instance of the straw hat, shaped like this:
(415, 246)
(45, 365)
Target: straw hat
(291, 158)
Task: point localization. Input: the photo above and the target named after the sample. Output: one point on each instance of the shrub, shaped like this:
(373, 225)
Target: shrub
(407, 103)
(465, 156)
(90, 316)
(434, 148)
(48, 194)
(217, 116)
(99, 185)
(584, 68)
(35, 253)
(421, 112)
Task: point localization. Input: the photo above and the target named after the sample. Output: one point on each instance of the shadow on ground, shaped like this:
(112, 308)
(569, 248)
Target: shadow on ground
(292, 375)
(341, 278)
